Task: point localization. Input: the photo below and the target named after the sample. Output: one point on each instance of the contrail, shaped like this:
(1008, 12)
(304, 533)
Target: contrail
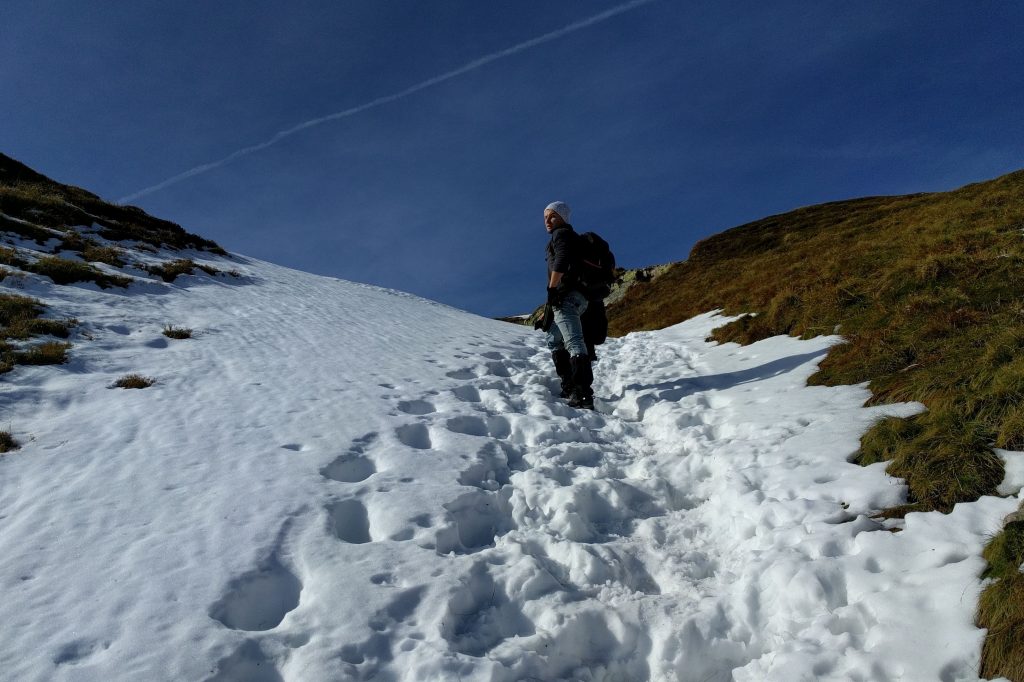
(430, 82)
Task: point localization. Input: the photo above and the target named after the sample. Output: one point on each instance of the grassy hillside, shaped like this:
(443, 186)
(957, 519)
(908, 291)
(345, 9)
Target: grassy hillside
(53, 231)
(929, 291)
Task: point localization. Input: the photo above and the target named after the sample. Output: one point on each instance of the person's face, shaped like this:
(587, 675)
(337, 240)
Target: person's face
(552, 220)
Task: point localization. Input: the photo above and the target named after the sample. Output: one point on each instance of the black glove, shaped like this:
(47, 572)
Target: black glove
(554, 297)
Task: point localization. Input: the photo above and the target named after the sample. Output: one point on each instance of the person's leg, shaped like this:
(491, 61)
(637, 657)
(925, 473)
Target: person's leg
(583, 380)
(563, 367)
(560, 356)
(567, 320)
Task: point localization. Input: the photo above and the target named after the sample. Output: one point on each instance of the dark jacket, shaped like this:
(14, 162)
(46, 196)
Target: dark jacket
(562, 255)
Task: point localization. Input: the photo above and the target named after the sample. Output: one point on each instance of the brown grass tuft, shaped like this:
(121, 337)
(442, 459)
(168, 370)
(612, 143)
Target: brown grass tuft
(67, 271)
(48, 353)
(133, 381)
(7, 442)
(173, 332)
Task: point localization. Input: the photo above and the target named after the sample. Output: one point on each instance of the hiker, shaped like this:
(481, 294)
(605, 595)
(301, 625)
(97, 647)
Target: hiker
(565, 336)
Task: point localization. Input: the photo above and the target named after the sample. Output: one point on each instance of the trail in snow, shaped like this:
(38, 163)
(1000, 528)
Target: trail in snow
(339, 482)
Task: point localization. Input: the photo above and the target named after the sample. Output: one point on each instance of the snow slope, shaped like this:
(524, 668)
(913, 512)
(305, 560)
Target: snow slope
(339, 482)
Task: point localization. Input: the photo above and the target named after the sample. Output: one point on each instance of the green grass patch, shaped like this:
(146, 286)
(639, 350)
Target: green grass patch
(173, 332)
(67, 271)
(7, 442)
(133, 381)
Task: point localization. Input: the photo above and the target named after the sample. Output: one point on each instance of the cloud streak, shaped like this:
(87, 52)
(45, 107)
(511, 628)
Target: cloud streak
(386, 99)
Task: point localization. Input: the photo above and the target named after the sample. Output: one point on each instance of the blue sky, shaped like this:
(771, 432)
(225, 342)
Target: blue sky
(661, 125)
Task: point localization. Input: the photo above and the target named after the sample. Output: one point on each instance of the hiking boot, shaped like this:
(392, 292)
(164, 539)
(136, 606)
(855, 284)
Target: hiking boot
(582, 379)
(563, 367)
(582, 402)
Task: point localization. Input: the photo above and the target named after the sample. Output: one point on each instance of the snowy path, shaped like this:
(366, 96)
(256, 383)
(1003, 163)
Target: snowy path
(335, 482)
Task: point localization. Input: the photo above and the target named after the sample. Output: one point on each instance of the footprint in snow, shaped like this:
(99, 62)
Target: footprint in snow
(492, 427)
(259, 600)
(78, 651)
(397, 610)
(417, 407)
(481, 615)
(348, 521)
(349, 468)
(467, 394)
(490, 471)
(498, 369)
(416, 436)
(353, 466)
(474, 521)
(382, 579)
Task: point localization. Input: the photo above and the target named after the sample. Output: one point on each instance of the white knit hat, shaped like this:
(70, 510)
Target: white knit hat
(559, 207)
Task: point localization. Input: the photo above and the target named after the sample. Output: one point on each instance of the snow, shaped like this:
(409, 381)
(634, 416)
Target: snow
(1014, 479)
(333, 481)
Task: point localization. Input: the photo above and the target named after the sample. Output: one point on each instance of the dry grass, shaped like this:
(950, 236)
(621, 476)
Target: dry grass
(929, 291)
(16, 311)
(9, 256)
(7, 442)
(47, 353)
(170, 270)
(67, 271)
(172, 332)
(93, 252)
(133, 381)
(926, 288)
(32, 197)
(999, 609)
(20, 319)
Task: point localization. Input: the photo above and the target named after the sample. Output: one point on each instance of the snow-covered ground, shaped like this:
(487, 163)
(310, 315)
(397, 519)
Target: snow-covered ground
(337, 482)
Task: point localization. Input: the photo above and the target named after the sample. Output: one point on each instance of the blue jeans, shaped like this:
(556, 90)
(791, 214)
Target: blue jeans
(567, 331)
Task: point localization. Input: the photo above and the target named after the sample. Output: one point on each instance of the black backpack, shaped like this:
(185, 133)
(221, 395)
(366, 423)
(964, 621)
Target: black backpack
(596, 262)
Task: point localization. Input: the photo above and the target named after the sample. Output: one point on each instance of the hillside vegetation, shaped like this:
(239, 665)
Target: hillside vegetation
(68, 235)
(928, 290)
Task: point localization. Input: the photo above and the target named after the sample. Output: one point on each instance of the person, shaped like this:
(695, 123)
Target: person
(568, 303)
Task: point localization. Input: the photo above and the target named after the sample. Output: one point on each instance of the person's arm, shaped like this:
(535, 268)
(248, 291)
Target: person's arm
(560, 262)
